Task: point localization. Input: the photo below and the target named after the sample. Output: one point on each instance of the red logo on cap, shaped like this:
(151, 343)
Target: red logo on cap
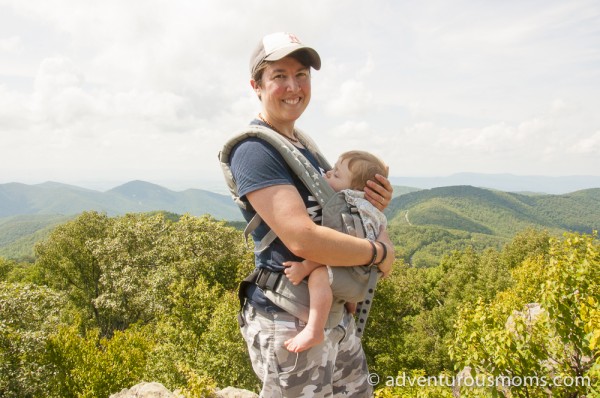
(293, 38)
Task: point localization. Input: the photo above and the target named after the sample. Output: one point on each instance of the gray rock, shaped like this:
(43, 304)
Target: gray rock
(157, 390)
(145, 390)
(232, 392)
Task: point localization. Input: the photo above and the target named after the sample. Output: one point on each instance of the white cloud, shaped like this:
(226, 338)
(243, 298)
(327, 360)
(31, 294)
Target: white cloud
(137, 89)
(13, 111)
(587, 145)
(11, 44)
(351, 130)
(353, 99)
(56, 74)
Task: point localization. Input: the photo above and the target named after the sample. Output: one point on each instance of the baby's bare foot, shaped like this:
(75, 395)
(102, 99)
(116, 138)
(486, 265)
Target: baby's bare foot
(304, 340)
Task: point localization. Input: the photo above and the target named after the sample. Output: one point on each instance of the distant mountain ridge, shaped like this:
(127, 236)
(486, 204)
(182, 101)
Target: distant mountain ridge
(505, 182)
(426, 221)
(131, 197)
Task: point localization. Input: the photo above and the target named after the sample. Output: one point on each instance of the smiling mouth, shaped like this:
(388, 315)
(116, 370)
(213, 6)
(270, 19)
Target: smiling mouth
(293, 101)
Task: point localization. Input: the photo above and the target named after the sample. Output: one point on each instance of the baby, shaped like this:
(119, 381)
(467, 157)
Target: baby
(350, 175)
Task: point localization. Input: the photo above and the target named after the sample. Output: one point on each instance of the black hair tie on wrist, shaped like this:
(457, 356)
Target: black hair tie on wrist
(384, 254)
(374, 256)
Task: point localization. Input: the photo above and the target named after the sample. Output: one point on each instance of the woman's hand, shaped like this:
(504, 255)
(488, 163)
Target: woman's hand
(379, 192)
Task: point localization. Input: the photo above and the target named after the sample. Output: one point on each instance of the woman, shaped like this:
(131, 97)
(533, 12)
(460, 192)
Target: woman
(280, 70)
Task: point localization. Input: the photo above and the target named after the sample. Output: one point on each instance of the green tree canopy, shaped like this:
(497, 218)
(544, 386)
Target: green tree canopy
(546, 325)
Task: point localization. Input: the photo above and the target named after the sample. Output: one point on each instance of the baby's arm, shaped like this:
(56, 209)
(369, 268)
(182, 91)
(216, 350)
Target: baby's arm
(297, 271)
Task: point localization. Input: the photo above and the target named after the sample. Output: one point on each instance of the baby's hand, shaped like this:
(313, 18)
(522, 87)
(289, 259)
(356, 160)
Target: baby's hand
(296, 271)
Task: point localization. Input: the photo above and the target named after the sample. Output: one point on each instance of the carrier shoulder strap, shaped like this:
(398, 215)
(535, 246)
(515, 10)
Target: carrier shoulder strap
(291, 154)
(301, 167)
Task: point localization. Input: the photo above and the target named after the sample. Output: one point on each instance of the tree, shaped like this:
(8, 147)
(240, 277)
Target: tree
(208, 260)
(69, 264)
(89, 366)
(132, 267)
(28, 316)
(177, 278)
(420, 305)
(541, 327)
(203, 248)
(5, 267)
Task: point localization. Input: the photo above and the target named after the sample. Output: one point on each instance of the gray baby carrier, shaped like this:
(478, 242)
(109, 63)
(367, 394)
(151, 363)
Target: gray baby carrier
(336, 214)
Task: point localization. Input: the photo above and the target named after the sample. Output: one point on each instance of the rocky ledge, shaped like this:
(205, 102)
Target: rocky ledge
(157, 390)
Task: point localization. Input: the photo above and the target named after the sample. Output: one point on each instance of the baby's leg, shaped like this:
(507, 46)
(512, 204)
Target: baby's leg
(320, 304)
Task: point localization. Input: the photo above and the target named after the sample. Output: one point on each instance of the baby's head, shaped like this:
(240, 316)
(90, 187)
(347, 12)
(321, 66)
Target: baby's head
(353, 169)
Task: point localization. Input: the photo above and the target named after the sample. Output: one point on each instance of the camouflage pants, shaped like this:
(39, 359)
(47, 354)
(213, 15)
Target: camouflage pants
(335, 368)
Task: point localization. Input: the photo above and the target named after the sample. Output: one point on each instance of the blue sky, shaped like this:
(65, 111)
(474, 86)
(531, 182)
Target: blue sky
(100, 93)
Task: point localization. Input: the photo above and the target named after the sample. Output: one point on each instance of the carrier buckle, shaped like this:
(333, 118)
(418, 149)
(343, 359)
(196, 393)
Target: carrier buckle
(267, 280)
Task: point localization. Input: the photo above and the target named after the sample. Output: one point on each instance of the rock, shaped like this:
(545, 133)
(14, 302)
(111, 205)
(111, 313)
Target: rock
(459, 381)
(530, 314)
(145, 390)
(232, 392)
(157, 390)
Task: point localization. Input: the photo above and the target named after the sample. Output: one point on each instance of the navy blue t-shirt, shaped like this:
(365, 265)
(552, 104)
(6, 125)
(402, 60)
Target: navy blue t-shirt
(256, 164)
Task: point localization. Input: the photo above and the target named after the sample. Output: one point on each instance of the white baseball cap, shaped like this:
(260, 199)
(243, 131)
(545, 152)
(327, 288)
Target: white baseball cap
(276, 46)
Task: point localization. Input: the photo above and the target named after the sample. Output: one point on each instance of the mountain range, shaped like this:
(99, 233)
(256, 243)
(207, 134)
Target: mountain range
(132, 197)
(429, 224)
(490, 212)
(426, 221)
(505, 182)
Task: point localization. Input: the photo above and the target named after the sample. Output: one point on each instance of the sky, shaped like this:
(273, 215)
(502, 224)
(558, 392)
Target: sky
(98, 93)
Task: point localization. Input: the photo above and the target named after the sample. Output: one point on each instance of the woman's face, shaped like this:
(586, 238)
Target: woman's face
(284, 90)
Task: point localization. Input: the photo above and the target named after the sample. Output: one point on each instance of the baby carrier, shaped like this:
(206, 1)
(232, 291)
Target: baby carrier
(336, 214)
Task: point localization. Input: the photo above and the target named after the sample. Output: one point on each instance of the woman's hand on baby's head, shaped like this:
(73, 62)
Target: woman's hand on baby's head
(379, 192)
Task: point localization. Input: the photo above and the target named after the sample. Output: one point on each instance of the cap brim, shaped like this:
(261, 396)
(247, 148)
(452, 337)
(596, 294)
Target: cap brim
(315, 60)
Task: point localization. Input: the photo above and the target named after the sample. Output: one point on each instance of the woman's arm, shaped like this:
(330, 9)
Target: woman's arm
(282, 208)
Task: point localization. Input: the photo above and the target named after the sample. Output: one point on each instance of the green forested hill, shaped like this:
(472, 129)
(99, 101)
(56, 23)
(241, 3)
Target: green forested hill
(478, 210)
(29, 212)
(577, 211)
(425, 224)
(429, 223)
(18, 234)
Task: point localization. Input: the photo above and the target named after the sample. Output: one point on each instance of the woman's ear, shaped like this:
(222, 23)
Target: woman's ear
(255, 87)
